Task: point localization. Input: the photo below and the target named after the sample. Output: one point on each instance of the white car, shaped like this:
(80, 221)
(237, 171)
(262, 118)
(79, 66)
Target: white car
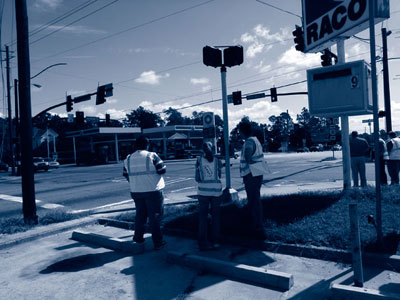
(53, 164)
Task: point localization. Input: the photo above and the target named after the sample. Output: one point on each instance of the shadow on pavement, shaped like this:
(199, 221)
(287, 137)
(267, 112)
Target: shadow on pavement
(84, 262)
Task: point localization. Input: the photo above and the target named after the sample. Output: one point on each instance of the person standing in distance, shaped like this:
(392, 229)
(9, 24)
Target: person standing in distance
(252, 169)
(144, 171)
(358, 150)
(383, 156)
(393, 148)
(209, 191)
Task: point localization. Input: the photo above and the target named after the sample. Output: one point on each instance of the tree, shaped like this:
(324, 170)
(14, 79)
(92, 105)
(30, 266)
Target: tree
(174, 117)
(143, 118)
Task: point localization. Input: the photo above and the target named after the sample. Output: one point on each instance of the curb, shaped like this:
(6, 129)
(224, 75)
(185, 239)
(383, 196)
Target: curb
(43, 231)
(246, 273)
(384, 261)
(344, 292)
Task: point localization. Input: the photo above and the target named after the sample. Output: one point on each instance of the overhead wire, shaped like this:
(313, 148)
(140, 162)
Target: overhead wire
(73, 22)
(280, 9)
(127, 30)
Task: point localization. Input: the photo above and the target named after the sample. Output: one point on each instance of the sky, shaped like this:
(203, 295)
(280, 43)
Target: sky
(152, 53)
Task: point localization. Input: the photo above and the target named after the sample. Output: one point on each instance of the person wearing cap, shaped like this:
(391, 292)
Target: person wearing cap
(252, 169)
(144, 170)
(393, 148)
(358, 150)
(209, 191)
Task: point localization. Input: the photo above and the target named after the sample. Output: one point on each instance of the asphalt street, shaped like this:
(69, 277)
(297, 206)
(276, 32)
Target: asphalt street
(88, 187)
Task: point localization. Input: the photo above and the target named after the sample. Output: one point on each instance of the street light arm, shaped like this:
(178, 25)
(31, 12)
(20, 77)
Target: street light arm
(59, 64)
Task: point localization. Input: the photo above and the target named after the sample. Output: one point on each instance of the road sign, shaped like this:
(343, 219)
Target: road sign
(326, 21)
(255, 96)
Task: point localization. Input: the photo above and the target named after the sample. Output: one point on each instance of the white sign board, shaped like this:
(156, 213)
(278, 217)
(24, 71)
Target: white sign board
(324, 21)
(340, 90)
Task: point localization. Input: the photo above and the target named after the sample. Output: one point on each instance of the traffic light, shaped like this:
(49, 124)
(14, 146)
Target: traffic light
(237, 98)
(299, 38)
(80, 117)
(274, 95)
(326, 58)
(233, 56)
(108, 120)
(69, 103)
(212, 57)
(101, 95)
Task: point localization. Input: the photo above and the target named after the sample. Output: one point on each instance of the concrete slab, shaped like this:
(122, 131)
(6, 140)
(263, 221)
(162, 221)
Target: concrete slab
(345, 292)
(246, 273)
(108, 242)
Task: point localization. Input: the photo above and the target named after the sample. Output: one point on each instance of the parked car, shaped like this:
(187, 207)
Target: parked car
(302, 149)
(39, 163)
(3, 166)
(336, 147)
(316, 148)
(53, 164)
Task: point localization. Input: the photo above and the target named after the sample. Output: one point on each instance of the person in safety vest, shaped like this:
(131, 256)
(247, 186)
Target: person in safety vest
(209, 191)
(252, 169)
(144, 171)
(358, 150)
(393, 148)
(383, 156)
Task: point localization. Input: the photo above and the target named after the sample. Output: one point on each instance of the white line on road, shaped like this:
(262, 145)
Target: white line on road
(177, 180)
(186, 188)
(19, 200)
(103, 206)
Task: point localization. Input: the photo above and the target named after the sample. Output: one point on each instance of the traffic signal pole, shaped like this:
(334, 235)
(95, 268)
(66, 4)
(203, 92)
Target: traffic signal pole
(226, 127)
(28, 181)
(10, 135)
(386, 87)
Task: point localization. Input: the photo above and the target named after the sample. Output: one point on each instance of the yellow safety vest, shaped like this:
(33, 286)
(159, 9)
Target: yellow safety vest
(142, 173)
(209, 184)
(257, 164)
(395, 152)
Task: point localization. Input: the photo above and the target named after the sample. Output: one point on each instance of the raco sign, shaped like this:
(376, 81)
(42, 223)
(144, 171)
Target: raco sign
(325, 21)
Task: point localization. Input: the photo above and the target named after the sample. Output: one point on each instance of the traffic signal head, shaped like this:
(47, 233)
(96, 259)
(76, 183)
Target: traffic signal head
(69, 103)
(212, 57)
(101, 95)
(233, 56)
(326, 58)
(274, 95)
(299, 38)
(237, 98)
(108, 120)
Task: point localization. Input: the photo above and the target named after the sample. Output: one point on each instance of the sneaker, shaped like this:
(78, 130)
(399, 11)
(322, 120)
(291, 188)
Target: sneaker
(137, 240)
(160, 245)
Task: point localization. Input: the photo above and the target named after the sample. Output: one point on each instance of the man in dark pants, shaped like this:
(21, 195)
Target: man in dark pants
(393, 148)
(144, 171)
(383, 156)
(358, 150)
(252, 168)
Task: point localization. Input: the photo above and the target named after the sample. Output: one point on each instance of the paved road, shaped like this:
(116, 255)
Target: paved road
(87, 187)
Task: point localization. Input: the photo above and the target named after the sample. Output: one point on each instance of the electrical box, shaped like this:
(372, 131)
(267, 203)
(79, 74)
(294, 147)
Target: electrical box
(344, 89)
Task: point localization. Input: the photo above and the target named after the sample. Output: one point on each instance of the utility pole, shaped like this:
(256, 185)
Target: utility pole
(28, 181)
(17, 139)
(10, 139)
(386, 88)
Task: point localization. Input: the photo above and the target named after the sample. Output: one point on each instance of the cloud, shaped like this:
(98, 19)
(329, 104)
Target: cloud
(150, 77)
(296, 58)
(202, 80)
(111, 101)
(116, 114)
(52, 4)
(206, 88)
(79, 29)
(261, 39)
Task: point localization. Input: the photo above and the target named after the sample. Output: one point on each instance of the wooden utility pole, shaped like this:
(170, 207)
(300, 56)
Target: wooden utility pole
(386, 87)
(10, 135)
(28, 181)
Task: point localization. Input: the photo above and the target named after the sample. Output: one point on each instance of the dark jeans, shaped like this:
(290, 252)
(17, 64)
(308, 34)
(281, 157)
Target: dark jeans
(149, 205)
(252, 186)
(204, 205)
(358, 167)
(382, 171)
(394, 169)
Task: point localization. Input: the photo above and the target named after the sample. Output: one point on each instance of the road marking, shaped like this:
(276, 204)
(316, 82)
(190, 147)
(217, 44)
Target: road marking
(103, 206)
(178, 180)
(186, 188)
(39, 202)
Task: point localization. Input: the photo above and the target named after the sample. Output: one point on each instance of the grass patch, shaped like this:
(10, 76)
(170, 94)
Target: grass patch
(16, 224)
(312, 218)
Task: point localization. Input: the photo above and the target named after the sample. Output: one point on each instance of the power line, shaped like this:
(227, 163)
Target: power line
(73, 22)
(280, 9)
(58, 19)
(128, 29)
